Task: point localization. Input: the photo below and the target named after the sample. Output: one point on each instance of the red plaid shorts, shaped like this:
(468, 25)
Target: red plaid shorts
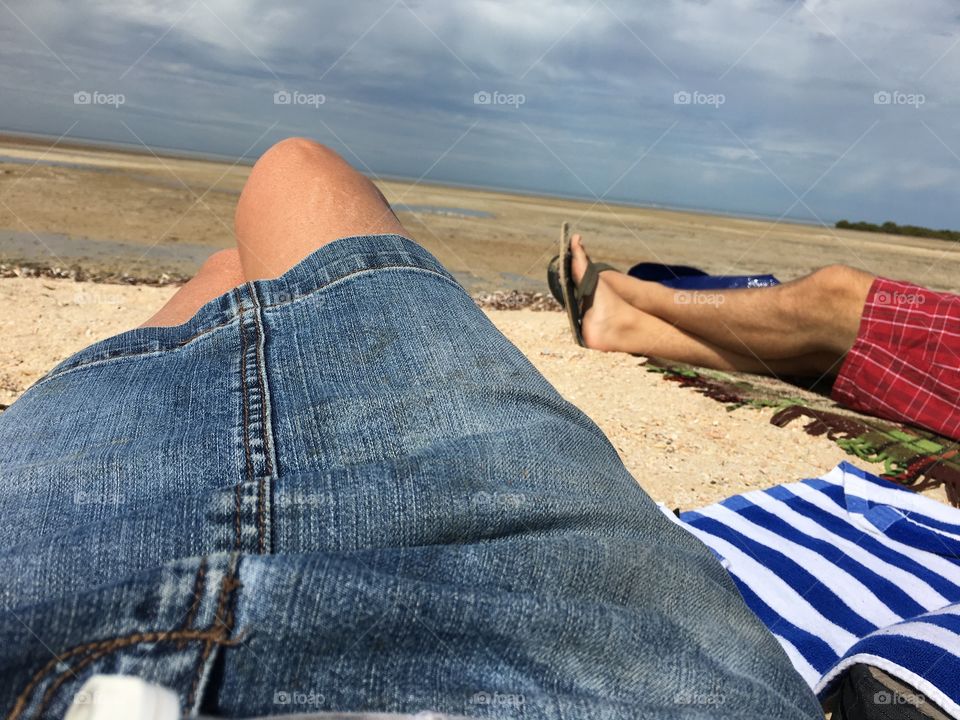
(905, 363)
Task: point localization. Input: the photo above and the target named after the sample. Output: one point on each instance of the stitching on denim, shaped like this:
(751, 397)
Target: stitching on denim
(111, 645)
(261, 369)
(261, 516)
(225, 618)
(198, 585)
(265, 429)
(213, 636)
(117, 355)
(244, 391)
(325, 286)
(64, 676)
(120, 354)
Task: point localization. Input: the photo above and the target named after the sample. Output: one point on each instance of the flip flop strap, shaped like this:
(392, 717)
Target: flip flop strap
(588, 284)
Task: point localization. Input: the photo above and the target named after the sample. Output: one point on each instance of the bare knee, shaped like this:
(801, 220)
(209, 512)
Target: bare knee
(222, 259)
(294, 151)
(832, 300)
(222, 268)
(289, 166)
(301, 195)
(836, 279)
(291, 161)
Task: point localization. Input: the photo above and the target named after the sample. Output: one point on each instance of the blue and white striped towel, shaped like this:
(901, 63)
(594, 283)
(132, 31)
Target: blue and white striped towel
(847, 569)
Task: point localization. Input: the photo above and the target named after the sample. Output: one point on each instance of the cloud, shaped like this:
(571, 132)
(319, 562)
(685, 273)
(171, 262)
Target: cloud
(600, 81)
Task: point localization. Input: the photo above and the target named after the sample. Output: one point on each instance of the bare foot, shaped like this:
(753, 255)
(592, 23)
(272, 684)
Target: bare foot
(606, 316)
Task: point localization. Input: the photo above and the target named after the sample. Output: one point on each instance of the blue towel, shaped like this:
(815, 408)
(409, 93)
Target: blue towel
(847, 569)
(684, 277)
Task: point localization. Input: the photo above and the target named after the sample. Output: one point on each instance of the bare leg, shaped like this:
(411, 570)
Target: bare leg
(299, 196)
(218, 275)
(618, 320)
(819, 313)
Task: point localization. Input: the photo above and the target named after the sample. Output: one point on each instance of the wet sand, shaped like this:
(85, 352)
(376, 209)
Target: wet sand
(124, 213)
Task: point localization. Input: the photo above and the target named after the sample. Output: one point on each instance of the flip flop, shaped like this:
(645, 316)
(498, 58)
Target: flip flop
(570, 295)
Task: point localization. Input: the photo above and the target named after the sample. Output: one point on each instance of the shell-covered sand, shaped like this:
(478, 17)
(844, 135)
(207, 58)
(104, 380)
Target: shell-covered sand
(684, 449)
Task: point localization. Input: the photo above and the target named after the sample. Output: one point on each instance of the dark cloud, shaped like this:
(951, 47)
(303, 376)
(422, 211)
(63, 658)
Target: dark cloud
(741, 106)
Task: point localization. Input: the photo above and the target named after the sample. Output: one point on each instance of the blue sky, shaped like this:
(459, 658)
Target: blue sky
(820, 109)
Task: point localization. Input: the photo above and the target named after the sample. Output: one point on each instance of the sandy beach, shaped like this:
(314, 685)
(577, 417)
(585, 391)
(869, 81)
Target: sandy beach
(142, 217)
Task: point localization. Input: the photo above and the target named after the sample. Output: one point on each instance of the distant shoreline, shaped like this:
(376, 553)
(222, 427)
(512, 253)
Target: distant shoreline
(73, 143)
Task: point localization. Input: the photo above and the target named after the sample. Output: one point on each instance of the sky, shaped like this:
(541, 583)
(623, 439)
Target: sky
(816, 109)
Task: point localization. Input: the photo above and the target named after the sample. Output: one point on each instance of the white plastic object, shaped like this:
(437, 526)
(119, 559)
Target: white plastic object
(122, 697)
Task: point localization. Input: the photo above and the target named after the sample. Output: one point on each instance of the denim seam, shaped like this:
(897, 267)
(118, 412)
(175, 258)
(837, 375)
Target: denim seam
(100, 648)
(199, 583)
(186, 341)
(122, 355)
(266, 438)
(245, 419)
(338, 280)
(229, 584)
(266, 427)
(110, 645)
(237, 530)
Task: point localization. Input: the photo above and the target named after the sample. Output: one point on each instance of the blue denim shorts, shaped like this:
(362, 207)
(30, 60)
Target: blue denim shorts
(345, 490)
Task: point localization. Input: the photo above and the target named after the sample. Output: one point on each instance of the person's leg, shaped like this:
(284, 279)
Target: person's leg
(218, 275)
(300, 196)
(613, 325)
(815, 318)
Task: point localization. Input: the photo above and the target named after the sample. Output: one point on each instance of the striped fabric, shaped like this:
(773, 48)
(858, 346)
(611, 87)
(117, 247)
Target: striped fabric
(844, 569)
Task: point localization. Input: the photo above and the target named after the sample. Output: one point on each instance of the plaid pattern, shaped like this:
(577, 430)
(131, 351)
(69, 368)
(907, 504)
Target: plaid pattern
(905, 363)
